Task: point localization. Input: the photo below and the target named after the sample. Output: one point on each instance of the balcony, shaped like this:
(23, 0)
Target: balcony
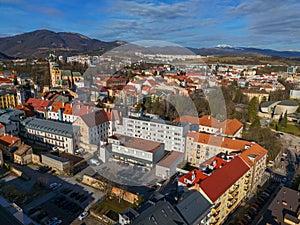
(217, 206)
(233, 192)
(229, 206)
(214, 221)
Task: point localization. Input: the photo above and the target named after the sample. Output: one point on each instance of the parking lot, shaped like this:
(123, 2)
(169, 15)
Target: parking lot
(53, 196)
(126, 173)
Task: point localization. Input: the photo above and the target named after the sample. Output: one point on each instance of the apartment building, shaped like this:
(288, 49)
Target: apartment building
(224, 181)
(94, 128)
(50, 133)
(202, 146)
(136, 150)
(256, 157)
(8, 99)
(172, 134)
(209, 124)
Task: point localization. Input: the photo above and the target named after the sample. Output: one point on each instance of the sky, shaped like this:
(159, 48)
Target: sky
(270, 24)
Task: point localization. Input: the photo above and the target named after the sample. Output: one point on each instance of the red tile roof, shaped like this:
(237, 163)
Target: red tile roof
(222, 179)
(8, 140)
(253, 154)
(38, 104)
(209, 139)
(229, 127)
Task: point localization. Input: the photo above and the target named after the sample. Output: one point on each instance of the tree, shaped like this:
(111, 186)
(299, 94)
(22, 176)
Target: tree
(252, 109)
(283, 120)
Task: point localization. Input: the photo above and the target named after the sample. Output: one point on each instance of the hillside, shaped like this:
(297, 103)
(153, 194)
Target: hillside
(42, 42)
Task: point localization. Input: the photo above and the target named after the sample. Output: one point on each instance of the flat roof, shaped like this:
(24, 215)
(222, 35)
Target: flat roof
(170, 158)
(137, 143)
(55, 158)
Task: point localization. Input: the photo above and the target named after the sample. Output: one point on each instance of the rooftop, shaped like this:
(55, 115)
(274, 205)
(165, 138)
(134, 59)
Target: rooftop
(170, 158)
(288, 103)
(160, 121)
(229, 126)
(284, 206)
(253, 154)
(54, 127)
(95, 118)
(8, 140)
(23, 148)
(160, 213)
(209, 139)
(222, 179)
(190, 201)
(137, 143)
(60, 159)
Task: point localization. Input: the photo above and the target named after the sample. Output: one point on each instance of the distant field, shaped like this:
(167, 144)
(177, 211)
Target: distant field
(252, 60)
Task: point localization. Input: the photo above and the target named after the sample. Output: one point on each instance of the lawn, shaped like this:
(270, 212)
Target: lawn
(291, 129)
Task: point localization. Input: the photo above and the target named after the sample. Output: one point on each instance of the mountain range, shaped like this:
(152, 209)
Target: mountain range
(40, 43)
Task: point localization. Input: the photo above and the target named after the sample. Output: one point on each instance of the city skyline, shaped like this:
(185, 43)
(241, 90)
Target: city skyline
(189, 23)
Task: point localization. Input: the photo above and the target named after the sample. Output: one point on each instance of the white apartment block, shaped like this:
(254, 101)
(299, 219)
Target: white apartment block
(172, 134)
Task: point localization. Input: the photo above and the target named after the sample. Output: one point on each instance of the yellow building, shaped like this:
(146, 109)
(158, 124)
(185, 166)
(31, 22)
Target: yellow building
(55, 74)
(8, 99)
(225, 182)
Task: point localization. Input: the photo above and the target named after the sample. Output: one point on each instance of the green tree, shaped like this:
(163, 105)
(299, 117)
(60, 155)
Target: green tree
(253, 109)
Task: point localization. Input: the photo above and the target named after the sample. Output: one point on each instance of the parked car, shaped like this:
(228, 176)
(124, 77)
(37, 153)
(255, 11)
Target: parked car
(53, 186)
(79, 151)
(95, 162)
(83, 215)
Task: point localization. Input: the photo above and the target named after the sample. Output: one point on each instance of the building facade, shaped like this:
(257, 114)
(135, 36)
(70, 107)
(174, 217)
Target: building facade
(50, 133)
(202, 146)
(94, 127)
(23, 155)
(136, 150)
(172, 134)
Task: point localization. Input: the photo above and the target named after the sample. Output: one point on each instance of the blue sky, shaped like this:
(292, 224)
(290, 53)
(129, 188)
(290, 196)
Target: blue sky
(190, 23)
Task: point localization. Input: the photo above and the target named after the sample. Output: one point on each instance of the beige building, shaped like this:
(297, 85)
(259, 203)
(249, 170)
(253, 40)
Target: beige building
(136, 150)
(166, 167)
(202, 146)
(61, 164)
(23, 155)
(94, 128)
(50, 133)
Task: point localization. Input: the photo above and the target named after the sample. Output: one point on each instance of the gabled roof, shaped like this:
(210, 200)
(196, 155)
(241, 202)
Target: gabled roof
(94, 118)
(38, 104)
(222, 179)
(253, 154)
(229, 126)
(209, 139)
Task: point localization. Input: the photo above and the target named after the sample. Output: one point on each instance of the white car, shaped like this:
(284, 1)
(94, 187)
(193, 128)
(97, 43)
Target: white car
(79, 151)
(95, 162)
(83, 215)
